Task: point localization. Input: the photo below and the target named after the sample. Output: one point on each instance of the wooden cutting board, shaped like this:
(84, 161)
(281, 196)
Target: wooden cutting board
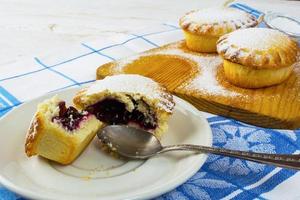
(198, 78)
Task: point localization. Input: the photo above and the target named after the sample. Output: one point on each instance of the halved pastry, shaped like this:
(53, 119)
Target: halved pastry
(128, 99)
(257, 57)
(59, 133)
(202, 28)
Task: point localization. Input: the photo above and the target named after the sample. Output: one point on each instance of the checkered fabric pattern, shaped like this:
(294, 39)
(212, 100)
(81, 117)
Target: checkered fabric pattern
(220, 177)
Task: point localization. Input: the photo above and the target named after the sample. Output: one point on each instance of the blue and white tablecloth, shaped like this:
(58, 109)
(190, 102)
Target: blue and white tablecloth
(220, 177)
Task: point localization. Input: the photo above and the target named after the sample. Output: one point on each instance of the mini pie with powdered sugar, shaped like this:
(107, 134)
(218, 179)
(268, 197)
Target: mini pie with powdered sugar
(257, 57)
(202, 28)
(128, 99)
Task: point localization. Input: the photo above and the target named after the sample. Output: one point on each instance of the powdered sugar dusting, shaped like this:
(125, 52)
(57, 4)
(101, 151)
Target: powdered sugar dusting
(123, 62)
(205, 81)
(217, 21)
(126, 83)
(256, 38)
(134, 84)
(215, 15)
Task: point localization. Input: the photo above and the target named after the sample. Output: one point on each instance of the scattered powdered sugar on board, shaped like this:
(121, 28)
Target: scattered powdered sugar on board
(205, 81)
(133, 84)
(123, 62)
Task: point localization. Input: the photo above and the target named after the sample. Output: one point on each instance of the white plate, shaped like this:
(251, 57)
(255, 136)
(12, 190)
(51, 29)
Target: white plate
(94, 174)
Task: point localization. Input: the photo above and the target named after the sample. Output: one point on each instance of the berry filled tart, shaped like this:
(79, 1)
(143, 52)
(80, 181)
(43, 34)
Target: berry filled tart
(128, 99)
(60, 133)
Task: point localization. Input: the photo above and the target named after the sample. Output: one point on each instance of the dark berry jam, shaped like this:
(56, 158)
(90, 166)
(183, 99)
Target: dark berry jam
(69, 117)
(146, 122)
(112, 111)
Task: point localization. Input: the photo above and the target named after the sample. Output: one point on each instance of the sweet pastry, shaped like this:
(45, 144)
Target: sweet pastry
(202, 28)
(257, 57)
(128, 99)
(59, 133)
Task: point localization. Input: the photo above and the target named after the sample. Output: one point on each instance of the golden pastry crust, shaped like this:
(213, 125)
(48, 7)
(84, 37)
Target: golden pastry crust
(128, 89)
(248, 77)
(32, 135)
(216, 21)
(50, 140)
(201, 43)
(259, 48)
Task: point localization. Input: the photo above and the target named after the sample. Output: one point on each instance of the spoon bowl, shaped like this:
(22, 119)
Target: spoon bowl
(129, 141)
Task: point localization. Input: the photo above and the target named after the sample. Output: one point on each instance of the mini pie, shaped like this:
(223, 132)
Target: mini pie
(257, 57)
(128, 99)
(59, 133)
(202, 28)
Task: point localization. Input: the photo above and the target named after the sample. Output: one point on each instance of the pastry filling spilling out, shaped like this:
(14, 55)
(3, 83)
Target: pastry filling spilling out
(112, 111)
(69, 117)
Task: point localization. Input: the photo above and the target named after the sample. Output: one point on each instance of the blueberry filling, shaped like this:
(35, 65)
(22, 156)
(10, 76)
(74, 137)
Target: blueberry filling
(112, 111)
(69, 117)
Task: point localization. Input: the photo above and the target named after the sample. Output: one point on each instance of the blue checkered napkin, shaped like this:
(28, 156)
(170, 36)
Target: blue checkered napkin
(220, 177)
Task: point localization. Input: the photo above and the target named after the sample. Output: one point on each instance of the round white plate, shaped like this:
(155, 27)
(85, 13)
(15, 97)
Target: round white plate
(95, 174)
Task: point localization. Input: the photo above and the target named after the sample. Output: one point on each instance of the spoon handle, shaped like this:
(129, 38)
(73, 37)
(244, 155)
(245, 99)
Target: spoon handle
(280, 160)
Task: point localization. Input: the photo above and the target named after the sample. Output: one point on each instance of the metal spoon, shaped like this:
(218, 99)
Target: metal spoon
(139, 144)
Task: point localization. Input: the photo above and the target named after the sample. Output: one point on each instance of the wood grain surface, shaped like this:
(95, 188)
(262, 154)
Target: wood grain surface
(272, 107)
